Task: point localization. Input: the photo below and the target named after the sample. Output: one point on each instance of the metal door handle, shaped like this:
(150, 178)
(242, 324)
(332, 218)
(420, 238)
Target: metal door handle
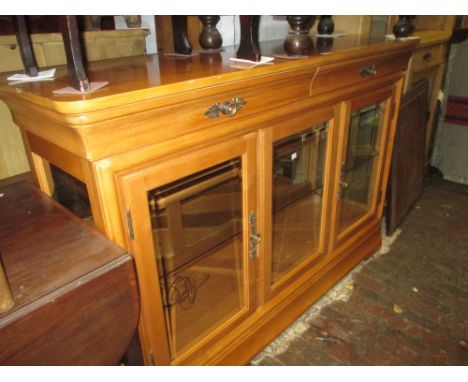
(368, 71)
(427, 57)
(228, 108)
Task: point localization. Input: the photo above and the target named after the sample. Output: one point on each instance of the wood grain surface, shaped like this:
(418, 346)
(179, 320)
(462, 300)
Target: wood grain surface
(74, 291)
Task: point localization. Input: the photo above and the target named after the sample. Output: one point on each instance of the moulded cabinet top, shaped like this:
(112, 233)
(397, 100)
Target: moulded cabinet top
(140, 78)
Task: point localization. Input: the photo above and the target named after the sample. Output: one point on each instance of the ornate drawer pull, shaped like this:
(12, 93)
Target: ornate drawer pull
(368, 71)
(229, 108)
(427, 57)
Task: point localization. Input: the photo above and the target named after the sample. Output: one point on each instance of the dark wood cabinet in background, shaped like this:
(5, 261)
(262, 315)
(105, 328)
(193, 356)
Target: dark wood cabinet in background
(408, 159)
(74, 291)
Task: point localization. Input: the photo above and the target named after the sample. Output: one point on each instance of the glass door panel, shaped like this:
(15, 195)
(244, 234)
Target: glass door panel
(359, 171)
(198, 237)
(298, 172)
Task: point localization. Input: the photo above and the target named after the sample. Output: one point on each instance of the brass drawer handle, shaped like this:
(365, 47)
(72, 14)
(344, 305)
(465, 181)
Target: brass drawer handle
(229, 108)
(368, 71)
(427, 57)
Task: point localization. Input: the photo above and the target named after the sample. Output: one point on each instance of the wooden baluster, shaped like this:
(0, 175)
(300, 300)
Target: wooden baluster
(403, 27)
(210, 38)
(298, 41)
(24, 42)
(76, 71)
(249, 48)
(326, 25)
(180, 35)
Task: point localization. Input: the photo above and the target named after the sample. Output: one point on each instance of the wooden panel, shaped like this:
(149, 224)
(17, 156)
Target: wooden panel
(407, 169)
(74, 291)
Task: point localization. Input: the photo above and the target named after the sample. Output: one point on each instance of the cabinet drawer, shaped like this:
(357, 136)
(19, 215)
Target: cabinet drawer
(429, 56)
(343, 74)
(157, 123)
(254, 100)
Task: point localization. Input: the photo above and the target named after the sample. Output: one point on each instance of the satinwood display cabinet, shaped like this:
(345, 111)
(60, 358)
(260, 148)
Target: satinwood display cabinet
(243, 193)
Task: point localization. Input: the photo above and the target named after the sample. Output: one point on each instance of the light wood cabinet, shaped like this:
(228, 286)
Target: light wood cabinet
(429, 62)
(237, 223)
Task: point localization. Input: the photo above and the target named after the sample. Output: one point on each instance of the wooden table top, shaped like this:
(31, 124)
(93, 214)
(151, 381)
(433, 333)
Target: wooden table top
(44, 247)
(151, 76)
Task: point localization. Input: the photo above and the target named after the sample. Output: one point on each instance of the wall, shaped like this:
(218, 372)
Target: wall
(451, 141)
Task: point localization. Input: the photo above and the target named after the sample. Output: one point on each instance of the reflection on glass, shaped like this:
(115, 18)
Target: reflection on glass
(359, 171)
(298, 170)
(197, 230)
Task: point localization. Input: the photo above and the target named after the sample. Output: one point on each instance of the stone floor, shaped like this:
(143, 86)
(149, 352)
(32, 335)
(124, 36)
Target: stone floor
(406, 305)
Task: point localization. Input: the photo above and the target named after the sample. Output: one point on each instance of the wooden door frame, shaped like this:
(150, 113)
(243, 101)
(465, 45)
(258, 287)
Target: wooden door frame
(269, 134)
(133, 199)
(386, 95)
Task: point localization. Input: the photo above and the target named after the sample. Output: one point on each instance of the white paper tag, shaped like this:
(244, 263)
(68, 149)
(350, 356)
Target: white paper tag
(41, 76)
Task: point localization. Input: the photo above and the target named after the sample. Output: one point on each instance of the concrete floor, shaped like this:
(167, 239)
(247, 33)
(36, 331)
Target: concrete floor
(404, 306)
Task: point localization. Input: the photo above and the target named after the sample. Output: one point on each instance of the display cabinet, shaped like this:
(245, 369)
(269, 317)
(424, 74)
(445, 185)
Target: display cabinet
(242, 194)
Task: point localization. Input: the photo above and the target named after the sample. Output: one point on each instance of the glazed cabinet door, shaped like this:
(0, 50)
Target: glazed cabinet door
(296, 160)
(364, 149)
(192, 244)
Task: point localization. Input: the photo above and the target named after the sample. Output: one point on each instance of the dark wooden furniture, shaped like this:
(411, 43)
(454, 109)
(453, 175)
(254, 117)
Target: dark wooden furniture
(406, 179)
(75, 294)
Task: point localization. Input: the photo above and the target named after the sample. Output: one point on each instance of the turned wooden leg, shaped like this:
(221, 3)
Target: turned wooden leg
(180, 35)
(298, 41)
(249, 48)
(403, 27)
(325, 25)
(210, 38)
(24, 42)
(76, 71)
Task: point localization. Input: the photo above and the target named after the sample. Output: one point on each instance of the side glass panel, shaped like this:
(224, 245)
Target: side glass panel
(298, 171)
(359, 172)
(197, 231)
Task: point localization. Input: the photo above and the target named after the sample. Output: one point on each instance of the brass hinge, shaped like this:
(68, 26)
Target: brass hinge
(343, 184)
(128, 216)
(254, 238)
